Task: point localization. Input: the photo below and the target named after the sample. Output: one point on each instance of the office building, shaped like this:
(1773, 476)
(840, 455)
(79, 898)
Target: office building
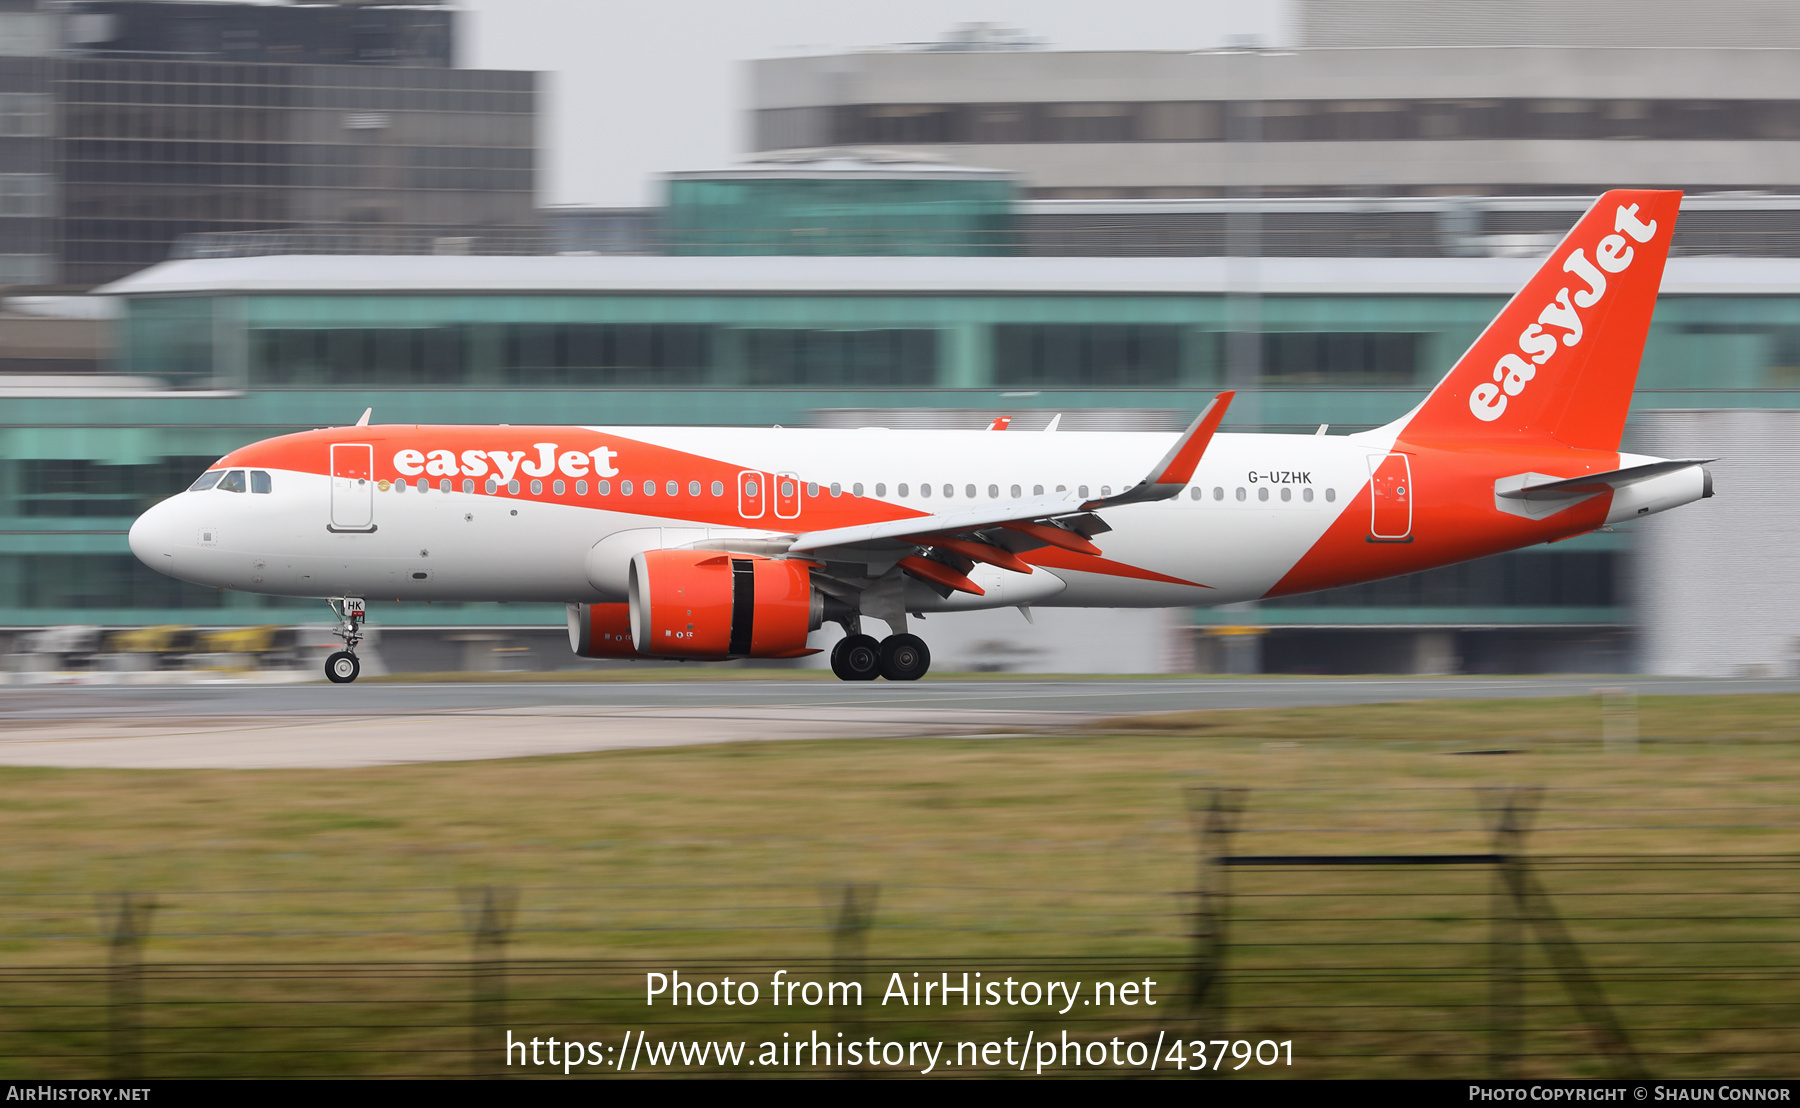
(1391, 98)
(131, 129)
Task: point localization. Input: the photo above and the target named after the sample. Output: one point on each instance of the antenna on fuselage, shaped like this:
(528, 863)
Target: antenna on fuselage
(1054, 420)
(364, 421)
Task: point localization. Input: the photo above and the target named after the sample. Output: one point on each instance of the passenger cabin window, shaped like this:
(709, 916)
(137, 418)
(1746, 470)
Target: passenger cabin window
(259, 481)
(234, 481)
(206, 480)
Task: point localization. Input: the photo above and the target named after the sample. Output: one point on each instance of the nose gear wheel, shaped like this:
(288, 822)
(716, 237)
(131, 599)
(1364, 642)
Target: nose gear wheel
(342, 667)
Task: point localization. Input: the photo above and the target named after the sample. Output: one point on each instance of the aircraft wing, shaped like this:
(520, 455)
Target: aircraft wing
(1549, 488)
(996, 532)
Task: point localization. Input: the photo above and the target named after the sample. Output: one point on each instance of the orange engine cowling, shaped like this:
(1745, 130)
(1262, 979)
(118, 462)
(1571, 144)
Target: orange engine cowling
(706, 604)
(601, 631)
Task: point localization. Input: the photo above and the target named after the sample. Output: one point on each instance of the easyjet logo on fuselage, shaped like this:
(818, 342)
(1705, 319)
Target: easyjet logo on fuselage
(507, 464)
(1612, 254)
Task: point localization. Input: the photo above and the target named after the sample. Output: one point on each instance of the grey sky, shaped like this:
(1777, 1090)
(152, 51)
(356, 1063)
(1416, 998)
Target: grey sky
(632, 90)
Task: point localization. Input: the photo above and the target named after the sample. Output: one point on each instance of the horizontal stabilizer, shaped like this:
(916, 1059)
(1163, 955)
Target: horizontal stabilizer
(1537, 486)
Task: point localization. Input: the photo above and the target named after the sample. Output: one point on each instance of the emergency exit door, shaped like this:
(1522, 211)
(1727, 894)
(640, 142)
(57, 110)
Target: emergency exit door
(753, 491)
(352, 487)
(1391, 498)
(787, 496)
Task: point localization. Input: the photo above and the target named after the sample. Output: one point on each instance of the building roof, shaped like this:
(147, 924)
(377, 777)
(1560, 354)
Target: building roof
(325, 274)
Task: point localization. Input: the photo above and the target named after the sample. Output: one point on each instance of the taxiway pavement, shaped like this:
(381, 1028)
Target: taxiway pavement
(247, 726)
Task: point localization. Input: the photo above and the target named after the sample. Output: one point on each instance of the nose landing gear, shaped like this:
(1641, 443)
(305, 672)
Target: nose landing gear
(343, 667)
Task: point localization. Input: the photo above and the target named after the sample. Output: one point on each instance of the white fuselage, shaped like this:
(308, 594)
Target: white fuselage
(1253, 518)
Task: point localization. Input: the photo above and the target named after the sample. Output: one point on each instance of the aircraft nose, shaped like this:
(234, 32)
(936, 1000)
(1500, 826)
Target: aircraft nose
(152, 537)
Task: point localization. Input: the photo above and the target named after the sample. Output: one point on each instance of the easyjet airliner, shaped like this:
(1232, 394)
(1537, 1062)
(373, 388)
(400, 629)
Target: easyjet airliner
(711, 543)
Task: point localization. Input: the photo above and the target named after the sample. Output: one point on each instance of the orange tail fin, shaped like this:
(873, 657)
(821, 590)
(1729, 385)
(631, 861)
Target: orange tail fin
(1560, 361)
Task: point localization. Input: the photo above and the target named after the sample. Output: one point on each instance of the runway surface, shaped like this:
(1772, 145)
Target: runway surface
(242, 726)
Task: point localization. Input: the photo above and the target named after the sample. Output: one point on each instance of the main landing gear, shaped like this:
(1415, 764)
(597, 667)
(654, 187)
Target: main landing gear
(342, 667)
(859, 657)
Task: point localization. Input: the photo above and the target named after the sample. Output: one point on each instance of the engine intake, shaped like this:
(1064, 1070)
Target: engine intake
(704, 604)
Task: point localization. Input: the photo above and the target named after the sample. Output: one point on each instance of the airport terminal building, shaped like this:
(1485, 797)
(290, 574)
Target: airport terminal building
(218, 352)
(937, 280)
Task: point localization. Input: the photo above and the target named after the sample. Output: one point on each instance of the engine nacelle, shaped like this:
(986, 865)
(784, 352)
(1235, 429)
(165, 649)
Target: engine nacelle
(601, 631)
(706, 604)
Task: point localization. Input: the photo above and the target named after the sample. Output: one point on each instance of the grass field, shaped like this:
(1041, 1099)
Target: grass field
(1073, 849)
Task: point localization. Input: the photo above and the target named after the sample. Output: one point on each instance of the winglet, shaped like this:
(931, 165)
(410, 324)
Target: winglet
(364, 421)
(1168, 477)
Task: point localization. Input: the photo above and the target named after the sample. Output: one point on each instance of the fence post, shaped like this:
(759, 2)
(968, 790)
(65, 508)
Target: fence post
(854, 915)
(127, 921)
(488, 912)
(1214, 813)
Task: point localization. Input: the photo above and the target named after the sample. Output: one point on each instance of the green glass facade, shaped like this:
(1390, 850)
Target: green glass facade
(76, 469)
(840, 214)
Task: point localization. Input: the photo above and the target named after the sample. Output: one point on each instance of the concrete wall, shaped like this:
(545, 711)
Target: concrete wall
(1720, 579)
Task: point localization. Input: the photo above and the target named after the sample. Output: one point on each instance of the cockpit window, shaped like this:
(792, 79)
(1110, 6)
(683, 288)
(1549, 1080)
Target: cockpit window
(206, 480)
(233, 482)
(259, 481)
